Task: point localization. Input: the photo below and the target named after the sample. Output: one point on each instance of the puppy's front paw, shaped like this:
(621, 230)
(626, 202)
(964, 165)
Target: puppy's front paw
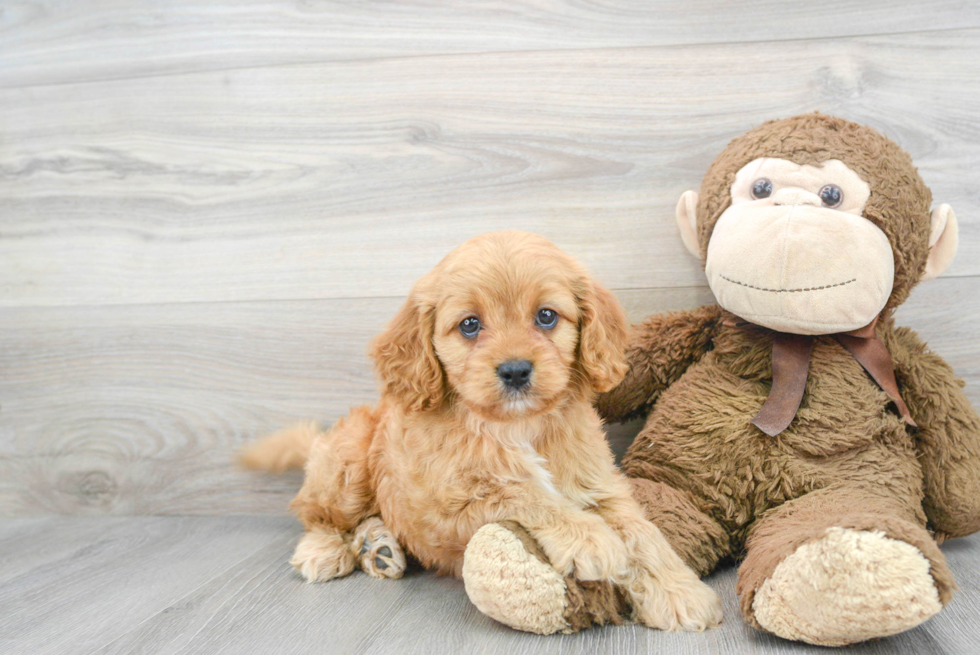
(596, 553)
(378, 552)
(323, 555)
(696, 606)
(679, 603)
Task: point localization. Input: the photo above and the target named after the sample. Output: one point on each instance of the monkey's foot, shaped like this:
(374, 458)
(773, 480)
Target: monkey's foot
(508, 578)
(847, 587)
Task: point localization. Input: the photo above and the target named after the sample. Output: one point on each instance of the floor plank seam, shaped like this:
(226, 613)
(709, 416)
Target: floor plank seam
(269, 301)
(363, 60)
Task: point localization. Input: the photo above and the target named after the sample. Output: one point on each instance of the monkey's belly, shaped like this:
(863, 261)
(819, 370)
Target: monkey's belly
(700, 438)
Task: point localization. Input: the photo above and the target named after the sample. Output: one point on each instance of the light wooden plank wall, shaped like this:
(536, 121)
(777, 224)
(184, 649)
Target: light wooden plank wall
(207, 208)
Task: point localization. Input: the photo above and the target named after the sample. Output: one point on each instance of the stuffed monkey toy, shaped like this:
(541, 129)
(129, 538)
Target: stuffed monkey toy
(792, 425)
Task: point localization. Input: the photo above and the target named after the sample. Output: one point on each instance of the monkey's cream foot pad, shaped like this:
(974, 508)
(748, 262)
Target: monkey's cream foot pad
(223, 585)
(510, 585)
(847, 587)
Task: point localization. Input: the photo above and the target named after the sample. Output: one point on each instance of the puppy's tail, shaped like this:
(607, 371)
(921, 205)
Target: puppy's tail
(287, 449)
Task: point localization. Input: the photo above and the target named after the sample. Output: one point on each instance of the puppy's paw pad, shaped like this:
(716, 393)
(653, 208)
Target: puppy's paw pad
(379, 553)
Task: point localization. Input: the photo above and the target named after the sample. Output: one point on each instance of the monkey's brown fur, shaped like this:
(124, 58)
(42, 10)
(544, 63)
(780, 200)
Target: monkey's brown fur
(716, 485)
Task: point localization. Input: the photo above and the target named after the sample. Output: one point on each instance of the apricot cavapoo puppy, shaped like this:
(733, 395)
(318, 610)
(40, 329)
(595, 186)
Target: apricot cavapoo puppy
(488, 373)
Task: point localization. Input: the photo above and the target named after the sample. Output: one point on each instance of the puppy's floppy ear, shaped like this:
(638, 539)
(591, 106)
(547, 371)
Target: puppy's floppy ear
(604, 332)
(405, 357)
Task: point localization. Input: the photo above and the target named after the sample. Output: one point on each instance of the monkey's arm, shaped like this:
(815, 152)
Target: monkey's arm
(948, 437)
(661, 348)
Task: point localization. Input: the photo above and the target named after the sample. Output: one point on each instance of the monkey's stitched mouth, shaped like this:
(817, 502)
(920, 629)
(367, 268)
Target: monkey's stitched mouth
(750, 286)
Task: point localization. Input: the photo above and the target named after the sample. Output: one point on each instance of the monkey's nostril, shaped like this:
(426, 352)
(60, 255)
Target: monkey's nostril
(515, 373)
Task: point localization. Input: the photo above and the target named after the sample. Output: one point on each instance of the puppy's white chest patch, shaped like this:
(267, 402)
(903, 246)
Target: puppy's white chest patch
(542, 477)
(539, 472)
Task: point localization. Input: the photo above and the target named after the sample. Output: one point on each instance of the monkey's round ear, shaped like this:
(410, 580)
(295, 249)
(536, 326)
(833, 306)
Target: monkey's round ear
(687, 221)
(943, 239)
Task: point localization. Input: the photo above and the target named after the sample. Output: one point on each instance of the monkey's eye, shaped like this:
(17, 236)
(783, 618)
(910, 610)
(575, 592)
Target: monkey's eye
(831, 195)
(470, 327)
(761, 188)
(546, 319)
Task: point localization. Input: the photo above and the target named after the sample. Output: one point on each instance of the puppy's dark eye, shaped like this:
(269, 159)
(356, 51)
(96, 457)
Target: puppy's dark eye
(761, 188)
(470, 327)
(546, 319)
(831, 195)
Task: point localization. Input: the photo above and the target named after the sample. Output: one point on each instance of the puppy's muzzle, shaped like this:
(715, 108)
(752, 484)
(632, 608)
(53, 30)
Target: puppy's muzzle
(515, 373)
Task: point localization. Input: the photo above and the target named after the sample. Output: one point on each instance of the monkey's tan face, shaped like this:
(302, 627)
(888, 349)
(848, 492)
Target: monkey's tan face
(794, 253)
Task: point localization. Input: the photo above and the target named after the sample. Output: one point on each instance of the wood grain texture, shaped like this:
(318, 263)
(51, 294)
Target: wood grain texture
(98, 585)
(51, 42)
(208, 208)
(222, 585)
(139, 409)
(351, 179)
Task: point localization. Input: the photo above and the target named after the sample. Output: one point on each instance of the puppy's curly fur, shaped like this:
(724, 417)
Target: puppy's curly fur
(450, 447)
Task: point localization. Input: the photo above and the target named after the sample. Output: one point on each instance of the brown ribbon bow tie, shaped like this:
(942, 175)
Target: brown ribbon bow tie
(791, 363)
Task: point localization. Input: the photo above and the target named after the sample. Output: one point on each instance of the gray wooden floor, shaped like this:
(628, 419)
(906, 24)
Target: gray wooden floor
(215, 585)
(207, 208)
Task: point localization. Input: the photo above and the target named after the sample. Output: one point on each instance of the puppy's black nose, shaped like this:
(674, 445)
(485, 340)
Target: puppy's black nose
(515, 373)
